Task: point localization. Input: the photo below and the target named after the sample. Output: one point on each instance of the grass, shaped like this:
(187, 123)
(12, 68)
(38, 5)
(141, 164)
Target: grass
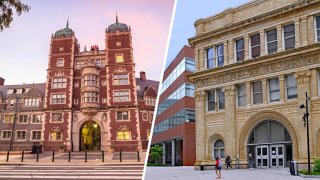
(305, 172)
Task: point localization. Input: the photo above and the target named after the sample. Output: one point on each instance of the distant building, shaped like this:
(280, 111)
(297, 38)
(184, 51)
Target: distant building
(254, 65)
(174, 126)
(90, 101)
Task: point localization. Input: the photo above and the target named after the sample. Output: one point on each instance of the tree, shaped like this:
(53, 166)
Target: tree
(6, 11)
(156, 153)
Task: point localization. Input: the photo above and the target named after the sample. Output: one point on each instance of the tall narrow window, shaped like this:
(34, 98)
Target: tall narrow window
(60, 62)
(289, 37)
(210, 60)
(272, 45)
(240, 50)
(36, 135)
(291, 87)
(318, 28)
(242, 95)
(220, 98)
(218, 149)
(220, 55)
(274, 89)
(257, 92)
(23, 119)
(255, 46)
(211, 100)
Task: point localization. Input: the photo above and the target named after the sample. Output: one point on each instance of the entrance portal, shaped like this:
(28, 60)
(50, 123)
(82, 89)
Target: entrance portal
(90, 136)
(271, 145)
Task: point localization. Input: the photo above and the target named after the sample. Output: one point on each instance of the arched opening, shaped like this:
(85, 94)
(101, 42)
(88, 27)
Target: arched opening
(271, 145)
(218, 149)
(90, 136)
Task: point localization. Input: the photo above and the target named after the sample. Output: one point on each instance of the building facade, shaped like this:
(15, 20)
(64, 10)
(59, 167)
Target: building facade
(254, 65)
(93, 101)
(174, 126)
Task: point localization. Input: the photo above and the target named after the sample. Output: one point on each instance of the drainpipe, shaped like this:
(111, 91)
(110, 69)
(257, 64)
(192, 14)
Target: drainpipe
(71, 137)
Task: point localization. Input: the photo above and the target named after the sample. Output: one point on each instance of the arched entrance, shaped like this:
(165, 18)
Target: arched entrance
(90, 136)
(271, 144)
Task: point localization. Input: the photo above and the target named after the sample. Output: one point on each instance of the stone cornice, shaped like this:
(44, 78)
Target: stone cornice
(233, 26)
(285, 60)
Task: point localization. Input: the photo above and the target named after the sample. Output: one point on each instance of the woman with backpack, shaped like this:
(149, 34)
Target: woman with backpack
(218, 166)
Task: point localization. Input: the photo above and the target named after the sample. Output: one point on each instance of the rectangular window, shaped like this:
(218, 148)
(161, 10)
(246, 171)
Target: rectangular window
(8, 118)
(56, 117)
(23, 119)
(274, 89)
(119, 58)
(21, 135)
(220, 55)
(60, 62)
(37, 118)
(240, 50)
(56, 136)
(318, 28)
(36, 135)
(272, 45)
(257, 92)
(210, 60)
(90, 97)
(10, 91)
(98, 62)
(211, 100)
(289, 36)
(59, 82)
(122, 115)
(220, 99)
(242, 95)
(90, 80)
(58, 98)
(255, 46)
(120, 79)
(123, 135)
(19, 91)
(121, 96)
(31, 102)
(291, 87)
(6, 135)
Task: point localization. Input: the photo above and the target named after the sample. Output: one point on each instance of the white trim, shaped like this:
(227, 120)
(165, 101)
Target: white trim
(58, 62)
(65, 97)
(16, 135)
(41, 117)
(113, 96)
(6, 138)
(122, 110)
(284, 39)
(62, 82)
(51, 117)
(31, 135)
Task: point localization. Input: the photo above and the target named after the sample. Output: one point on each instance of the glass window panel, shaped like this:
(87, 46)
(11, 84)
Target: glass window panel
(289, 30)
(289, 43)
(255, 52)
(272, 47)
(318, 22)
(240, 44)
(255, 40)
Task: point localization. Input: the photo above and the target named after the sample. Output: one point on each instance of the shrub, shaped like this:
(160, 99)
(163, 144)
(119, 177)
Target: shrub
(316, 167)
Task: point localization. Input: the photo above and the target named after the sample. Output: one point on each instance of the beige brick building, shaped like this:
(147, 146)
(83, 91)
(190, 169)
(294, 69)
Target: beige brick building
(254, 64)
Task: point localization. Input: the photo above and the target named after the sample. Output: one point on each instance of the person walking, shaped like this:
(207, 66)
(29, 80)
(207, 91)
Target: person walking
(218, 166)
(250, 157)
(228, 162)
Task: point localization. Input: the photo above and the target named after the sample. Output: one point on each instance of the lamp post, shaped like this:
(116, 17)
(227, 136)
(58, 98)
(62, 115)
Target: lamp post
(14, 124)
(306, 122)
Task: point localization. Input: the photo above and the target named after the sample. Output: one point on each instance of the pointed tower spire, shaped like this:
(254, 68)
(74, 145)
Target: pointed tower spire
(68, 22)
(117, 17)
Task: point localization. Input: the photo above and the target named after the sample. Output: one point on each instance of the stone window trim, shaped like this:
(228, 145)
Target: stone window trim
(52, 114)
(2, 135)
(122, 79)
(267, 43)
(217, 56)
(254, 93)
(20, 133)
(269, 90)
(217, 100)
(37, 116)
(31, 136)
(62, 98)
(251, 46)
(60, 62)
(90, 97)
(288, 37)
(122, 115)
(90, 80)
(240, 50)
(244, 96)
(23, 115)
(287, 87)
(59, 82)
(121, 90)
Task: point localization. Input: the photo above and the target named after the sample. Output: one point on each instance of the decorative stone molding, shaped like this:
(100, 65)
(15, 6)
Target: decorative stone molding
(229, 90)
(120, 70)
(303, 76)
(59, 73)
(200, 95)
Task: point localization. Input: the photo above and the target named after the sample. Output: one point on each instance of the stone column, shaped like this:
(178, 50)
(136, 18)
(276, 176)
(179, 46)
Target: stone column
(76, 140)
(279, 37)
(231, 51)
(200, 97)
(225, 52)
(197, 60)
(264, 91)
(282, 88)
(311, 30)
(164, 153)
(230, 142)
(202, 60)
(248, 90)
(173, 152)
(262, 43)
(297, 32)
(304, 31)
(303, 86)
(314, 84)
(246, 47)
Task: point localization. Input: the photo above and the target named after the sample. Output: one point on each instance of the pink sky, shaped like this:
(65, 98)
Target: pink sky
(24, 47)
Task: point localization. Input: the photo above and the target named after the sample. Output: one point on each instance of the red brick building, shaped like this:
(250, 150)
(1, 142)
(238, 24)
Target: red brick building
(92, 98)
(174, 127)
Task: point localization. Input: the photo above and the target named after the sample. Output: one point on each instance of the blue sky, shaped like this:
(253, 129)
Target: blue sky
(187, 12)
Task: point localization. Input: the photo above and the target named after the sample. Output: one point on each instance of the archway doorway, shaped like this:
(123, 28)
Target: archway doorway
(271, 145)
(90, 136)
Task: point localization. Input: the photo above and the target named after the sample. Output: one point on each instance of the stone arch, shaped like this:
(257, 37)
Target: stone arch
(259, 117)
(213, 138)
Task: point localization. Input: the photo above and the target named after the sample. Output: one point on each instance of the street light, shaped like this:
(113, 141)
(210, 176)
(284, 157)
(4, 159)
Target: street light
(306, 122)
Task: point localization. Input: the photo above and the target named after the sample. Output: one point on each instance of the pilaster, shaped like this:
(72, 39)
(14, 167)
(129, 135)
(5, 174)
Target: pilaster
(197, 59)
(282, 88)
(202, 60)
(231, 51)
(311, 30)
(248, 91)
(297, 32)
(246, 47)
(279, 38)
(225, 52)
(304, 31)
(264, 91)
(200, 97)
(262, 43)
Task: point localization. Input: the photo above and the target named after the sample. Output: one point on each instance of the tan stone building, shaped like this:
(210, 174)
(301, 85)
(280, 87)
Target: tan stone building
(254, 64)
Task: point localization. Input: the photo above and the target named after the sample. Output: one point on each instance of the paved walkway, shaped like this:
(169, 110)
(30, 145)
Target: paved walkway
(186, 173)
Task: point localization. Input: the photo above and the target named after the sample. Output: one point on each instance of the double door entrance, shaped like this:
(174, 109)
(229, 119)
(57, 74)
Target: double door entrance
(270, 156)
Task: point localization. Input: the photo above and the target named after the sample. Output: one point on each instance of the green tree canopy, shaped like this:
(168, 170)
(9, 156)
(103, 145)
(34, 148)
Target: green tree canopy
(6, 11)
(156, 153)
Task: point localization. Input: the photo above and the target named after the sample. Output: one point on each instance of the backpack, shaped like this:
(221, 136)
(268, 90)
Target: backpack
(220, 164)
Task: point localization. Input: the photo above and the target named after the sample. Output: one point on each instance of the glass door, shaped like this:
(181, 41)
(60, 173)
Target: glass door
(262, 156)
(277, 155)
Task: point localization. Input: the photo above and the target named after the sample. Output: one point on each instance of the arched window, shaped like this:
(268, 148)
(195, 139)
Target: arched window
(218, 149)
